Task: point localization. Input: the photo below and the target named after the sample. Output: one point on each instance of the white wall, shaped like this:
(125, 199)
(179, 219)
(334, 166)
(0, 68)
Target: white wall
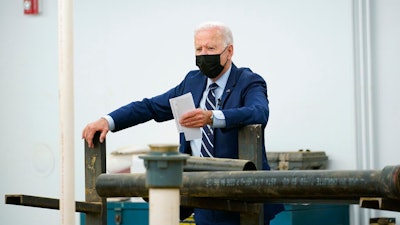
(385, 38)
(29, 115)
(128, 50)
(303, 49)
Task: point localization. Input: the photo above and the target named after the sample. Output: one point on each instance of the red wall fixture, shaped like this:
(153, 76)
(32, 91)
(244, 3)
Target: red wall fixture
(31, 7)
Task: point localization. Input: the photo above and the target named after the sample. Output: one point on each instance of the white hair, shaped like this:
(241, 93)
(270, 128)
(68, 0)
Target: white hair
(224, 29)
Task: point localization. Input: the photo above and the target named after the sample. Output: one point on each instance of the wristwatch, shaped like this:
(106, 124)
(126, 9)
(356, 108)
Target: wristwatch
(212, 118)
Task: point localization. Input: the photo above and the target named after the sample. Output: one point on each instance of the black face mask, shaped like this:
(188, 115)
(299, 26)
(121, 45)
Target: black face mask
(210, 65)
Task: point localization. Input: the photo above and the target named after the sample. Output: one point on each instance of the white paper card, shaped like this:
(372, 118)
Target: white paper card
(180, 105)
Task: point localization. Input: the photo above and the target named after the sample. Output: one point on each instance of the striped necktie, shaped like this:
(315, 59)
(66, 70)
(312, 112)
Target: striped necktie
(207, 140)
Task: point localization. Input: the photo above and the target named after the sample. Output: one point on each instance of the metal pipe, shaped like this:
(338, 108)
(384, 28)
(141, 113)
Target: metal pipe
(260, 186)
(217, 164)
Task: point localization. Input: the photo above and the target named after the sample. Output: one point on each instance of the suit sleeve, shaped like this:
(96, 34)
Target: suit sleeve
(248, 103)
(156, 108)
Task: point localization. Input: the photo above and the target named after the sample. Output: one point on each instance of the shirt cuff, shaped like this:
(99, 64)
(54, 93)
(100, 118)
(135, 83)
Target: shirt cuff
(218, 119)
(110, 120)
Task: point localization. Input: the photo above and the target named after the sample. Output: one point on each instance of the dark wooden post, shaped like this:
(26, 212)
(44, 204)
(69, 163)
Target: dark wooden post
(250, 148)
(95, 164)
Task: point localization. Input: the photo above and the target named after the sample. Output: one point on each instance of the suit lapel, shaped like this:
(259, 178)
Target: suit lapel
(230, 85)
(199, 86)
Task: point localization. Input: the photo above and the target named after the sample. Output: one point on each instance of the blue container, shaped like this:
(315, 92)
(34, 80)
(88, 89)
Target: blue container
(125, 213)
(315, 214)
(137, 213)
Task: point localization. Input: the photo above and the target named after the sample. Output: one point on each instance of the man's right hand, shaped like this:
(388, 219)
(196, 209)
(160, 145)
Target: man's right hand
(88, 132)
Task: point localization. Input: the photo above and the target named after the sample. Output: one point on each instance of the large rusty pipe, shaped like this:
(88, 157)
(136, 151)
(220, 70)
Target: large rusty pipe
(262, 185)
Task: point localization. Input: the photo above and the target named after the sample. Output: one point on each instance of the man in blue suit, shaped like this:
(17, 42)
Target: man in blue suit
(241, 99)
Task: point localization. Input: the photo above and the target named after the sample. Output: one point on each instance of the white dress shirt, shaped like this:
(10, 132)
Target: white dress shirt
(218, 115)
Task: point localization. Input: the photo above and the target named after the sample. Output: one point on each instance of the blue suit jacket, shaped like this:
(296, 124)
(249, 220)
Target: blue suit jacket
(243, 102)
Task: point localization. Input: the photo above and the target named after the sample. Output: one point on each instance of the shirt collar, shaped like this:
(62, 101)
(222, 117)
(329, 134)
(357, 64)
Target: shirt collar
(222, 80)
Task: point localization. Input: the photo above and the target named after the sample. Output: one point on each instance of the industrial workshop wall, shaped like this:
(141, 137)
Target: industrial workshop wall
(331, 67)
